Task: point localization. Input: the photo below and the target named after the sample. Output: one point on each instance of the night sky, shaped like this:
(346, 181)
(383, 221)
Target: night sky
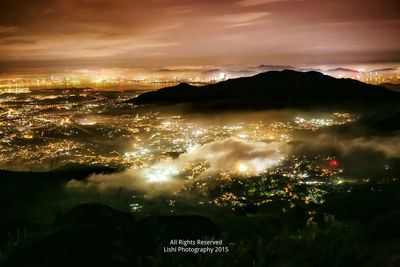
(37, 33)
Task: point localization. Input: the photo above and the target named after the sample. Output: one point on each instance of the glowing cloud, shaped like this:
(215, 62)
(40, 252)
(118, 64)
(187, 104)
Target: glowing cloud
(232, 155)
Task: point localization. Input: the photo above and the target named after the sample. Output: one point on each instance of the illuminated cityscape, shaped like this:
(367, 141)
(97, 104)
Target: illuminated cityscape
(53, 128)
(249, 133)
(47, 129)
(151, 79)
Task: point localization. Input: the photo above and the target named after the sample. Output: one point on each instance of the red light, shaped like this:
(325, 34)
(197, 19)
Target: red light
(333, 163)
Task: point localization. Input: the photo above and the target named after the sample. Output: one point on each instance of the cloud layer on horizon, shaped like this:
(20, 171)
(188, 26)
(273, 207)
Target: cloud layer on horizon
(200, 32)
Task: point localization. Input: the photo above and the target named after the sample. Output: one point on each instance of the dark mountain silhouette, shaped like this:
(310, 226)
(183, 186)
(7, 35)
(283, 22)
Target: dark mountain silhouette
(275, 67)
(342, 70)
(391, 122)
(384, 69)
(392, 86)
(96, 235)
(274, 90)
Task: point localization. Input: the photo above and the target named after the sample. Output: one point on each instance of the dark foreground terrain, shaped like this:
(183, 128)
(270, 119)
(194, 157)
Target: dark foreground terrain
(44, 225)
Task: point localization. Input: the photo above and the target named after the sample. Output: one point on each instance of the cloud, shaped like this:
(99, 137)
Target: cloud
(179, 32)
(330, 144)
(360, 157)
(242, 17)
(231, 155)
(130, 179)
(247, 3)
(386, 145)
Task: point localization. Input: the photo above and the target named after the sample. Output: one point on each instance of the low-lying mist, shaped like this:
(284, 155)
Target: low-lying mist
(231, 155)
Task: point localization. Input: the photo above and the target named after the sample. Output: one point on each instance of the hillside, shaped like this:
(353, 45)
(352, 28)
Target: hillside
(275, 89)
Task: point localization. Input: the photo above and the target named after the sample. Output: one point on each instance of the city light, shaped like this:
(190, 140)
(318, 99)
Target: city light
(160, 173)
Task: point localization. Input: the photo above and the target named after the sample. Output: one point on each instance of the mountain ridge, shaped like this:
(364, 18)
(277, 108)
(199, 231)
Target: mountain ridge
(274, 89)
